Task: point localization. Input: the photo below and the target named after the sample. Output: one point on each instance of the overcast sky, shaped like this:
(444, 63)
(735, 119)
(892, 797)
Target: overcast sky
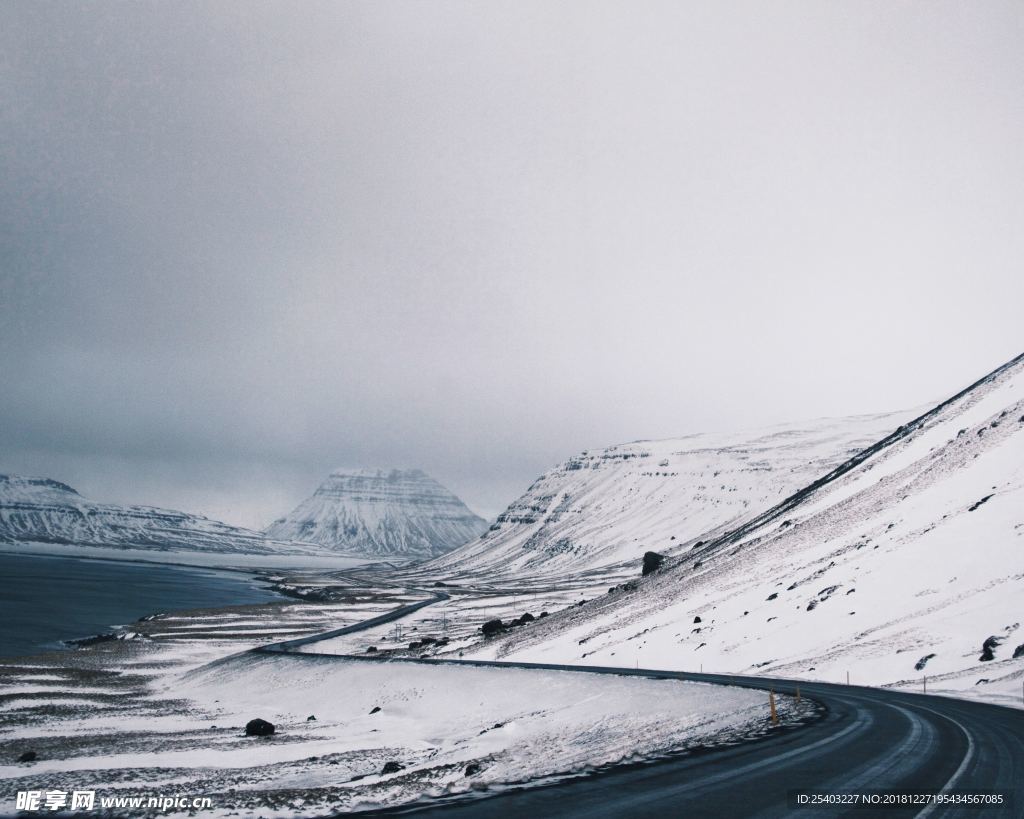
(243, 243)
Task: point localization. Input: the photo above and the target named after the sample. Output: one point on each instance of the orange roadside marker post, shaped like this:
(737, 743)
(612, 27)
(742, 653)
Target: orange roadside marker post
(771, 705)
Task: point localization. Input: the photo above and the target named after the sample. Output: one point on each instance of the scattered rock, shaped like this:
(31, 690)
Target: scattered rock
(391, 767)
(812, 605)
(920, 664)
(371, 650)
(652, 562)
(773, 595)
(311, 718)
(1018, 651)
(979, 503)
(492, 627)
(473, 768)
(982, 681)
(28, 756)
(258, 728)
(988, 649)
(375, 709)
(697, 619)
(543, 614)
(524, 619)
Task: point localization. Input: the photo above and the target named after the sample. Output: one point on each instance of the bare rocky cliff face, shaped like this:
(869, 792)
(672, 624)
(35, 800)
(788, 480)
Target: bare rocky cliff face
(42, 510)
(381, 513)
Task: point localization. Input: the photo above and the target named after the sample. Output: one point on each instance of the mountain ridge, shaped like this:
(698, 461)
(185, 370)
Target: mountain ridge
(43, 510)
(380, 513)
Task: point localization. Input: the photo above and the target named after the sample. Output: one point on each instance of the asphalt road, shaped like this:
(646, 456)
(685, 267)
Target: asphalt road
(869, 742)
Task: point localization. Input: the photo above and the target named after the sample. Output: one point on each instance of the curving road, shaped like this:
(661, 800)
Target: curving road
(869, 741)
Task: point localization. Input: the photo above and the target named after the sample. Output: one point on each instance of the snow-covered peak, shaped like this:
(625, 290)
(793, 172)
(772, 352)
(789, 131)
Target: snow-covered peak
(22, 488)
(381, 513)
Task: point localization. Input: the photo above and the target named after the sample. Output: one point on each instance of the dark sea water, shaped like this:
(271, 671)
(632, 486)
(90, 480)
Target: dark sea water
(44, 600)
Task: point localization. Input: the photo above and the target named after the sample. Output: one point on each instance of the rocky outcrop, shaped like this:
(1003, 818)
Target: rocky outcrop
(259, 728)
(381, 513)
(652, 562)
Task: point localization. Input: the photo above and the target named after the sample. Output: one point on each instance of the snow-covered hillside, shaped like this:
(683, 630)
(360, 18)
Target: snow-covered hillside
(906, 561)
(42, 510)
(607, 506)
(373, 512)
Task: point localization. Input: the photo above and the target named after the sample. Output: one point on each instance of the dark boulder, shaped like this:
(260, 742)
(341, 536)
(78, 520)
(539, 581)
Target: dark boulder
(391, 767)
(526, 618)
(258, 728)
(473, 768)
(543, 614)
(652, 562)
(988, 649)
(697, 619)
(1018, 651)
(28, 756)
(371, 650)
(375, 709)
(773, 595)
(492, 627)
(311, 718)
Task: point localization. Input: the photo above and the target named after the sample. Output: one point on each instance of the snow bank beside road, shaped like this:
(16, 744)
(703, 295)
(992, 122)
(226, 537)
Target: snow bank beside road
(502, 725)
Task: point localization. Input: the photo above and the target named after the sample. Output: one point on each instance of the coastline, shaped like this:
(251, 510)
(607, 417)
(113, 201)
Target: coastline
(222, 561)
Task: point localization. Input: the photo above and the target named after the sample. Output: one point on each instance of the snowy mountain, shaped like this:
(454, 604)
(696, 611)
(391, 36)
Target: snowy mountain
(372, 512)
(906, 560)
(47, 511)
(606, 506)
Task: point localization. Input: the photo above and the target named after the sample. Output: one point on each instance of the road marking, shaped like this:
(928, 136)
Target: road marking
(963, 764)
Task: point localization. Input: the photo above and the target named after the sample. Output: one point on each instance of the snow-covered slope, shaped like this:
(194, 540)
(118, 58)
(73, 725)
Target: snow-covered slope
(46, 511)
(607, 506)
(905, 561)
(373, 512)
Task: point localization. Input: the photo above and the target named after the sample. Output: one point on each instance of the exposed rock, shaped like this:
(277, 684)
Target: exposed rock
(258, 728)
(988, 649)
(473, 768)
(492, 627)
(524, 619)
(371, 650)
(652, 562)
(920, 664)
(1018, 651)
(375, 709)
(697, 619)
(311, 718)
(28, 756)
(773, 595)
(391, 767)
(979, 503)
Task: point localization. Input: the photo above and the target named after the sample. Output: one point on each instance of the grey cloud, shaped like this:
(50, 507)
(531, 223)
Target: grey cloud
(244, 243)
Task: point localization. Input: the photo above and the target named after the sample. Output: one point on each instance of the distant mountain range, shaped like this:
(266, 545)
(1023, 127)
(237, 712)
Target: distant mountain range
(47, 511)
(381, 513)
